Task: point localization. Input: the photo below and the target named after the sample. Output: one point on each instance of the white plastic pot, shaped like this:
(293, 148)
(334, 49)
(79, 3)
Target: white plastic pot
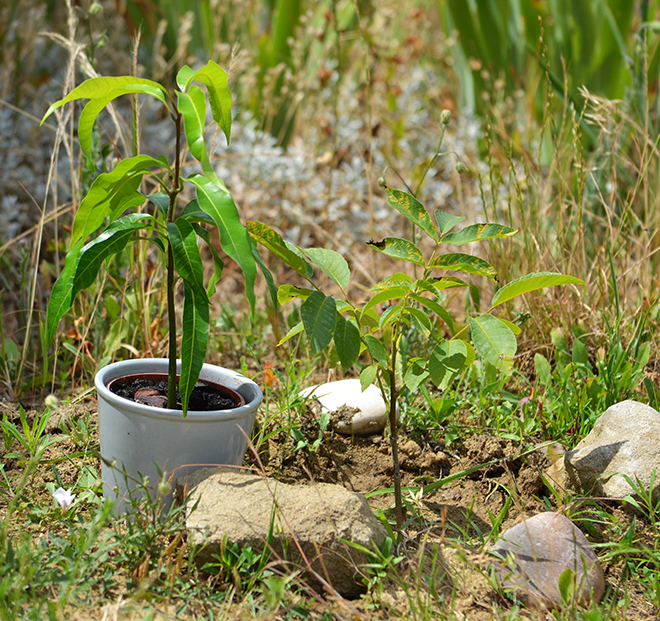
(140, 440)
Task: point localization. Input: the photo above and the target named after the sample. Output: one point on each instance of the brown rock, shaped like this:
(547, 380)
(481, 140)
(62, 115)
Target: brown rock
(238, 507)
(537, 551)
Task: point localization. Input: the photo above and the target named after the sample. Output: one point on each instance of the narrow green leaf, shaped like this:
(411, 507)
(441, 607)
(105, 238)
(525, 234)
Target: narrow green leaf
(187, 259)
(422, 321)
(61, 296)
(532, 282)
(478, 232)
(347, 342)
(110, 193)
(458, 262)
(215, 79)
(273, 241)
(108, 243)
(494, 341)
(192, 106)
(319, 316)
(447, 360)
(399, 249)
(286, 293)
(436, 308)
(270, 281)
(376, 349)
(399, 279)
(101, 87)
(194, 340)
(512, 326)
(446, 221)
(440, 284)
(392, 314)
(412, 209)
(543, 369)
(297, 329)
(234, 237)
(331, 263)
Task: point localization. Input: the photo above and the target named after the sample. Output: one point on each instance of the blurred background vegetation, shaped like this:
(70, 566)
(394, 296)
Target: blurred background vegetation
(555, 116)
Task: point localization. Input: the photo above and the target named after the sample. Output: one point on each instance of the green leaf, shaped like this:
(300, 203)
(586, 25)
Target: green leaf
(331, 263)
(447, 360)
(194, 339)
(566, 584)
(96, 88)
(110, 194)
(377, 350)
(478, 232)
(368, 376)
(396, 280)
(532, 282)
(234, 237)
(446, 222)
(218, 263)
(108, 243)
(385, 296)
(412, 209)
(192, 106)
(446, 282)
(184, 77)
(187, 260)
(215, 79)
(512, 326)
(422, 321)
(436, 308)
(61, 296)
(399, 249)
(416, 374)
(273, 241)
(297, 329)
(286, 293)
(162, 202)
(494, 341)
(458, 262)
(543, 369)
(347, 342)
(319, 316)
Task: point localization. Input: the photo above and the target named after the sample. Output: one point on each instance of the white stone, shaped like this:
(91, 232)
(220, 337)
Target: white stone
(625, 441)
(352, 411)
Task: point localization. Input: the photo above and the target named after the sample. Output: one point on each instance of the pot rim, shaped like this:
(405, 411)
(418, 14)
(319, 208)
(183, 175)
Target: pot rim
(232, 379)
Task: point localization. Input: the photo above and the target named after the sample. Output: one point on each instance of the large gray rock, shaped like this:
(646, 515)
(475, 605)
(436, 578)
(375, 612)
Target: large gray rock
(624, 441)
(537, 551)
(238, 507)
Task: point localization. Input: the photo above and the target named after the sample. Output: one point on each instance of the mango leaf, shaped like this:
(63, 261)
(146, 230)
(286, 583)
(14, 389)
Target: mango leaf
(286, 293)
(446, 222)
(478, 232)
(532, 282)
(192, 106)
(297, 329)
(447, 360)
(376, 349)
(187, 260)
(412, 209)
(347, 342)
(268, 277)
(215, 79)
(494, 341)
(111, 241)
(368, 376)
(218, 263)
(399, 249)
(96, 88)
(61, 296)
(385, 296)
(184, 77)
(110, 194)
(319, 316)
(194, 340)
(331, 263)
(457, 262)
(162, 202)
(273, 241)
(234, 237)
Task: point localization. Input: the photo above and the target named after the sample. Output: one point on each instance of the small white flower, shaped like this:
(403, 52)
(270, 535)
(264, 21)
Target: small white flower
(63, 497)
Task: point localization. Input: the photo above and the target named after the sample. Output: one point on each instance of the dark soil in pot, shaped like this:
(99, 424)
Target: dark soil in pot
(151, 389)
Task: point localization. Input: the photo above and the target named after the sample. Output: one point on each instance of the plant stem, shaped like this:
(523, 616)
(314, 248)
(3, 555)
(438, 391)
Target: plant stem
(394, 436)
(171, 317)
